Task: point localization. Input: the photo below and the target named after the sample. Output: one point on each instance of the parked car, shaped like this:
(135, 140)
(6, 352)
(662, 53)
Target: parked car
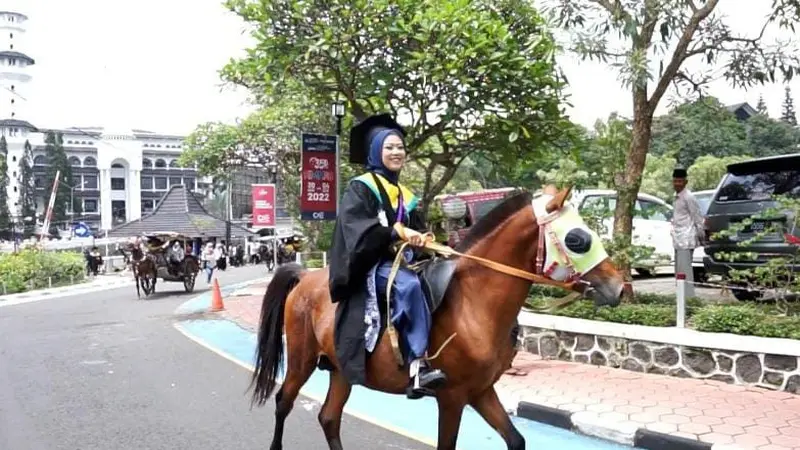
(746, 190)
(704, 199)
(651, 225)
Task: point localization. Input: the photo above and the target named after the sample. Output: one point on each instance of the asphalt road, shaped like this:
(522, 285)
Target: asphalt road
(107, 371)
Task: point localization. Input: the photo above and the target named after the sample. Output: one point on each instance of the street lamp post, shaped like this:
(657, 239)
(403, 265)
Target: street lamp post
(338, 111)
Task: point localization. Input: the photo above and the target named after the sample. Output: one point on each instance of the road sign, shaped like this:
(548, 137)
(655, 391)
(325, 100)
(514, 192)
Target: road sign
(80, 229)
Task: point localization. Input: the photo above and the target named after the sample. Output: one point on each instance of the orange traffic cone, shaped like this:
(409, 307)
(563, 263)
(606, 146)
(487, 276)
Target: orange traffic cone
(216, 298)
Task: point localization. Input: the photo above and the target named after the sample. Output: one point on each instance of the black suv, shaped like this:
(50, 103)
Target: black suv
(747, 190)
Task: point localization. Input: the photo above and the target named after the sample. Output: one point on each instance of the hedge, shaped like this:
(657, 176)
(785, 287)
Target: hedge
(313, 263)
(658, 310)
(32, 269)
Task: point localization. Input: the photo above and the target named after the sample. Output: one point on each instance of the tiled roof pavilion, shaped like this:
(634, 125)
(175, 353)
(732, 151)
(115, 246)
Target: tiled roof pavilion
(179, 211)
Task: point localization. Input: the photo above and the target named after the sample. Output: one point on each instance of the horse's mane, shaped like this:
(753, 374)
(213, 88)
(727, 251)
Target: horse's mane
(498, 215)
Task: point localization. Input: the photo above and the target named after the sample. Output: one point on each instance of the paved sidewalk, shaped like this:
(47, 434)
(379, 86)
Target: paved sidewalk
(617, 404)
(90, 284)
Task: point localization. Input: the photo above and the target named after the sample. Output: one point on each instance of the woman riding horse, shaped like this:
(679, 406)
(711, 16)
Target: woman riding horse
(521, 241)
(361, 259)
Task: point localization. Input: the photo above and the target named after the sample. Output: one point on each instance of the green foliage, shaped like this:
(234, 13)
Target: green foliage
(747, 320)
(776, 274)
(5, 214)
(27, 191)
(654, 45)
(32, 269)
(57, 162)
(657, 176)
(269, 138)
(659, 310)
(705, 128)
(702, 127)
(761, 107)
(770, 137)
(474, 76)
(788, 115)
(313, 263)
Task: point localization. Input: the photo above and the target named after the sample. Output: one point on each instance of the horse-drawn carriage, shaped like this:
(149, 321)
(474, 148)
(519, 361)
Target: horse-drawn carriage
(166, 255)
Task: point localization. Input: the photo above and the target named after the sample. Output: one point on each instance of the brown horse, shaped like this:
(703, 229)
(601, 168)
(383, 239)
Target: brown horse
(144, 270)
(480, 307)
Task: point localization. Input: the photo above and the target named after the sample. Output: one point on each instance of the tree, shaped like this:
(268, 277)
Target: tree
(770, 137)
(5, 215)
(57, 162)
(761, 107)
(656, 40)
(701, 127)
(27, 191)
(787, 108)
(476, 76)
(708, 170)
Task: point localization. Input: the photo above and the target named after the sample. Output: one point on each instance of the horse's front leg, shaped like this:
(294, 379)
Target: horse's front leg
(489, 407)
(451, 408)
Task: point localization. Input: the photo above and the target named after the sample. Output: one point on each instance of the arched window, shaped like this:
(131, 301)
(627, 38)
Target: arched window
(173, 163)
(89, 162)
(117, 166)
(39, 161)
(160, 163)
(74, 161)
(147, 163)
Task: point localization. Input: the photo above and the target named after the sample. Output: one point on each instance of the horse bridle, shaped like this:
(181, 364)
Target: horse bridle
(577, 286)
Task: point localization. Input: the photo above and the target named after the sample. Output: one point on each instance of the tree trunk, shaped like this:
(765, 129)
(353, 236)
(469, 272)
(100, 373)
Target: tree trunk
(632, 177)
(433, 188)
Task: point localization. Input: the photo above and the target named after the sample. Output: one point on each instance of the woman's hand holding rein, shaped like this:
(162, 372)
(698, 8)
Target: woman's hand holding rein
(414, 238)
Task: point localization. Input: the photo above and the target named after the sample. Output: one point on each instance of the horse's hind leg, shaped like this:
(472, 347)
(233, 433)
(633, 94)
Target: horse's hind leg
(330, 416)
(489, 407)
(301, 363)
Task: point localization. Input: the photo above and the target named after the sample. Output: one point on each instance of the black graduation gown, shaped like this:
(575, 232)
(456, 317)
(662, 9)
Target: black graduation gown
(360, 242)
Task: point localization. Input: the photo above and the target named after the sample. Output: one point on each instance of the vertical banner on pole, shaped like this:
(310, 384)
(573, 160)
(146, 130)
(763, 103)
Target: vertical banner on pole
(263, 205)
(319, 177)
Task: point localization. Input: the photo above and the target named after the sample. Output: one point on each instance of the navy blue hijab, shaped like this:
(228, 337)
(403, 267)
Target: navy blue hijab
(375, 157)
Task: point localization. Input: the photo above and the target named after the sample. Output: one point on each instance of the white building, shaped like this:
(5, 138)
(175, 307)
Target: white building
(118, 174)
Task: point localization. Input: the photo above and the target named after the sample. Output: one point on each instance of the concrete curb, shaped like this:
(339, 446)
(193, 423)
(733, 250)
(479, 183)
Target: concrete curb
(74, 289)
(591, 424)
(201, 303)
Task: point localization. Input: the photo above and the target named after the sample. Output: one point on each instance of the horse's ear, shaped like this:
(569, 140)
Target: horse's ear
(558, 199)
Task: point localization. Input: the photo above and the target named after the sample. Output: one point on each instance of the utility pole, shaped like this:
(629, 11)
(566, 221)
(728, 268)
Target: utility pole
(228, 213)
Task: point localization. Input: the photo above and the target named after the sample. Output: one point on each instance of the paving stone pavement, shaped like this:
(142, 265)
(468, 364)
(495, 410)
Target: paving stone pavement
(728, 416)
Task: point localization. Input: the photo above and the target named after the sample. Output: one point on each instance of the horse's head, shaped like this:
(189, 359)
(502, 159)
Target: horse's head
(572, 250)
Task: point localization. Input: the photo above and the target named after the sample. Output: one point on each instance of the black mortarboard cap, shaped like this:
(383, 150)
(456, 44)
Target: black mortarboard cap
(679, 172)
(361, 135)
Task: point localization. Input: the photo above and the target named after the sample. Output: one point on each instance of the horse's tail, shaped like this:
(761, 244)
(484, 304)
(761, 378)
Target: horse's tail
(269, 352)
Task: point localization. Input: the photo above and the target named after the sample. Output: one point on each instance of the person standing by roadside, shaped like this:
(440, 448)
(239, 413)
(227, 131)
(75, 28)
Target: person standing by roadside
(209, 258)
(687, 228)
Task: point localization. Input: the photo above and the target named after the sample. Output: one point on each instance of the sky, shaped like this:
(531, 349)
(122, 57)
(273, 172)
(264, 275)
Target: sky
(153, 64)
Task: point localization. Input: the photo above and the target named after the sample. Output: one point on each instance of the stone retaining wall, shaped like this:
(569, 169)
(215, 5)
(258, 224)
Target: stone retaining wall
(770, 371)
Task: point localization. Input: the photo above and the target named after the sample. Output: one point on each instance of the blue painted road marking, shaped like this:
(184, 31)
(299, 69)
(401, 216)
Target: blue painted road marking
(413, 418)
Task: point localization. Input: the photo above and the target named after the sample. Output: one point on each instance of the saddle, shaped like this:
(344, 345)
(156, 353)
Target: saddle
(435, 275)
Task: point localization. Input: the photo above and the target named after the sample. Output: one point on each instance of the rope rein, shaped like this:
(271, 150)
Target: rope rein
(445, 251)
